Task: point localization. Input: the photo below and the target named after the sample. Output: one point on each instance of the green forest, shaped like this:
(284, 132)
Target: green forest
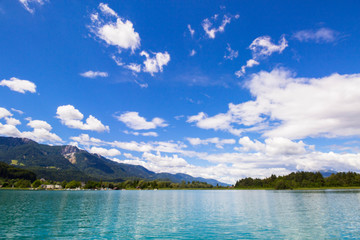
(298, 180)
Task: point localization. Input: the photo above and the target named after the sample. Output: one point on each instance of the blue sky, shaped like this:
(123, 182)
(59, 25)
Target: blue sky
(222, 89)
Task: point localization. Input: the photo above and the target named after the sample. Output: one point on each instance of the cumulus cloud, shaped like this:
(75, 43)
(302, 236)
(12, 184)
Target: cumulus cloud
(134, 121)
(262, 47)
(274, 146)
(41, 132)
(155, 64)
(12, 121)
(4, 113)
(114, 30)
(8, 129)
(72, 118)
(279, 108)
(105, 152)
(92, 74)
(210, 30)
(219, 143)
(28, 4)
(231, 54)
(19, 85)
(218, 122)
(86, 140)
(321, 35)
(41, 129)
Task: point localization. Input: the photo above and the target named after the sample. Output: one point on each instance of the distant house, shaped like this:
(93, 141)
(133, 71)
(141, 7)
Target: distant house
(51, 186)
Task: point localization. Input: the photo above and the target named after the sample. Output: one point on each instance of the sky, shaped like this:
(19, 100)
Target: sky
(214, 89)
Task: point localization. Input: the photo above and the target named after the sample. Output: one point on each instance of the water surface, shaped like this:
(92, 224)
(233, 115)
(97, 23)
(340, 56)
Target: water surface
(178, 214)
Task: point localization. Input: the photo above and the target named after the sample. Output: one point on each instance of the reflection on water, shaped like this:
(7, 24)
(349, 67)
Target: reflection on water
(180, 214)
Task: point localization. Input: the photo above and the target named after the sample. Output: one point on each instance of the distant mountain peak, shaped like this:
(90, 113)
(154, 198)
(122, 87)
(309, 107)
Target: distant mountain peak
(67, 149)
(27, 140)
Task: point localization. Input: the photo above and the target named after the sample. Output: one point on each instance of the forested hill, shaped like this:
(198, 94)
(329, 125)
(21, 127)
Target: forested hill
(10, 172)
(71, 163)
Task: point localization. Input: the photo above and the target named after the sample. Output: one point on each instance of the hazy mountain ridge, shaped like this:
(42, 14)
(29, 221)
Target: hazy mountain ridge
(71, 163)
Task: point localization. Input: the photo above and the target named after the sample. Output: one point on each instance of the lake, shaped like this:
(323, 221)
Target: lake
(180, 214)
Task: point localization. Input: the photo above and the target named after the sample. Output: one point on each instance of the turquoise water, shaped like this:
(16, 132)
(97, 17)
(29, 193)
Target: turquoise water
(318, 214)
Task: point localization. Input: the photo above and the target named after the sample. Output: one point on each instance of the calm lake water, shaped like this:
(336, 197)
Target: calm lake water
(317, 214)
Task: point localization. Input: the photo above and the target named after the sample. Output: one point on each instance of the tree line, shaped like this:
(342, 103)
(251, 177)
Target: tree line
(301, 180)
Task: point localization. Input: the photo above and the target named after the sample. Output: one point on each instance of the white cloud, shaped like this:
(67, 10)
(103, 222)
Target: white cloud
(12, 121)
(105, 152)
(192, 31)
(4, 113)
(211, 31)
(41, 129)
(72, 118)
(219, 143)
(136, 122)
(104, 8)
(27, 4)
(134, 67)
(165, 161)
(217, 122)
(41, 132)
(155, 64)
(192, 53)
(274, 146)
(119, 33)
(117, 60)
(86, 140)
(17, 111)
(168, 147)
(39, 124)
(92, 74)
(130, 156)
(262, 47)
(19, 85)
(331, 107)
(9, 130)
(142, 85)
(231, 54)
(145, 134)
(249, 64)
(319, 36)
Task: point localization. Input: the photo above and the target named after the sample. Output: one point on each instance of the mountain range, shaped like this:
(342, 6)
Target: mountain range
(71, 163)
